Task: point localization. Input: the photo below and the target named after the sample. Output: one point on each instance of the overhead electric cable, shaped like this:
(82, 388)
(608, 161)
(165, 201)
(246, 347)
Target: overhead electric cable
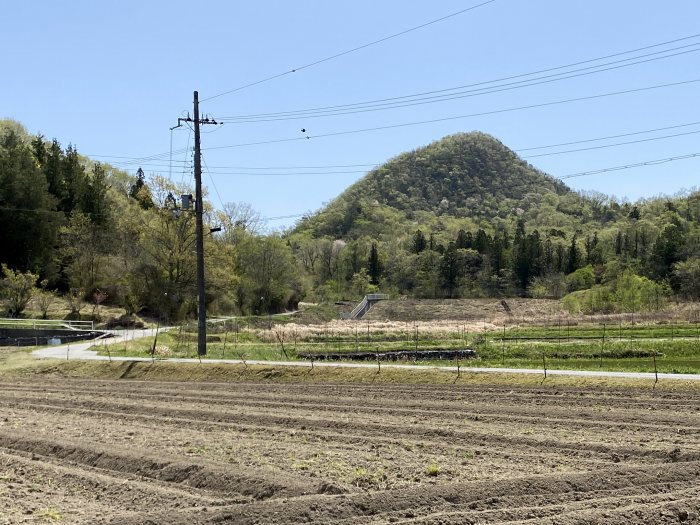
(117, 164)
(159, 156)
(629, 166)
(630, 134)
(458, 117)
(517, 150)
(290, 174)
(418, 99)
(603, 146)
(185, 163)
(221, 202)
(347, 52)
(652, 162)
(605, 57)
(282, 217)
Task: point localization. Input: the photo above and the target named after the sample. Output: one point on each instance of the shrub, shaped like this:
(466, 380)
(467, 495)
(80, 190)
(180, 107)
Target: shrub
(581, 279)
(17, 288)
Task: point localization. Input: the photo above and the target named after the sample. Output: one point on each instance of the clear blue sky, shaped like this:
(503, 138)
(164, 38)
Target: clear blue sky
(112, 77)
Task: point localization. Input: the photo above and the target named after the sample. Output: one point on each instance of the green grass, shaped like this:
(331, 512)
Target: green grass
(19, 364)
(175, 343)
(179, 372)
(567, 332)
(50, 514)
(584, 346)
(630, 348)
(677, 355)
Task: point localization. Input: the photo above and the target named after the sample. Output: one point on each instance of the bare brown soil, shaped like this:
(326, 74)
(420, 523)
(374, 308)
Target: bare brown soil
(132, 452)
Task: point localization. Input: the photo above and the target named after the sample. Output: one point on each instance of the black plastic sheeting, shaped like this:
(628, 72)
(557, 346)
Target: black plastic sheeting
(399, 355)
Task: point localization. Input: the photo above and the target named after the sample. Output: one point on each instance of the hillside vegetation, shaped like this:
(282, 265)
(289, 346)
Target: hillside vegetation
(463, 217)
(466, 217)
(469, 175)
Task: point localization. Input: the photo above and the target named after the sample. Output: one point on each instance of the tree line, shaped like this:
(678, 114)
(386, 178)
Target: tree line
(90, 233)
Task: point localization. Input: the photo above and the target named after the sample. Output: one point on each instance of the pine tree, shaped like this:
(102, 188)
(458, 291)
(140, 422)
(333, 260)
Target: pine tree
(52, 168)
(464, 240)
(94, 197)
(28, 222)
(140, 182)
(574, 256)
(74, 180)
(374, 267)
(618, 243)
(419, 243)
(667, 250)
(449, 270)
(482, 243)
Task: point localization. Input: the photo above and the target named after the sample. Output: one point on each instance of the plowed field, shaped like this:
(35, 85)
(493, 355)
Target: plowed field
(128, 452)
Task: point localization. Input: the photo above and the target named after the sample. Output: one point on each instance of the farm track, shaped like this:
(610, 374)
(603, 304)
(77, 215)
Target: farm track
(128, 452)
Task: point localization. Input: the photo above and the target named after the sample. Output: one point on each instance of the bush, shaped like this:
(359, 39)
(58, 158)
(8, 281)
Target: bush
(581, 279)
(123, 321)
(572, 304)
(631, 293)
(17, 288)
(635, 293)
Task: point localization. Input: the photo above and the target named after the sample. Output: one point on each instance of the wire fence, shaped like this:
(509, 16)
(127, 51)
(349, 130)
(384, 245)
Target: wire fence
(46, 324)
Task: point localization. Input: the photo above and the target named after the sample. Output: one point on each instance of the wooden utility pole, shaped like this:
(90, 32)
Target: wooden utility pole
(199, 226)
(201, 297)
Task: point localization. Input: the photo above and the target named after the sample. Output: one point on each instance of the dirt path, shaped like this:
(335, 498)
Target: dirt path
(127, 452)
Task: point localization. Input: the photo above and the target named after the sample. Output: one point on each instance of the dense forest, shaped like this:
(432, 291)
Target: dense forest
(91, 233)
(462, 217)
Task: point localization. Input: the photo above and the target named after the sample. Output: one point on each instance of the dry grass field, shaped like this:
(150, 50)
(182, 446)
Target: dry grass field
(521, 311)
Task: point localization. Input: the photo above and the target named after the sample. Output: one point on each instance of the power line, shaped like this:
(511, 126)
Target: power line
(185, 163)
(9, 208)
(652, 162)
(458, 117)
(418, 99)
(628, 166)
(283, 217)
(513, 76)
(290, 174)
(446, 98)
(221, 202)
(159, 156)
(347, 52)
(256, 169)
(630, 134)
(603, 146)
(591, 148)
(161, 165)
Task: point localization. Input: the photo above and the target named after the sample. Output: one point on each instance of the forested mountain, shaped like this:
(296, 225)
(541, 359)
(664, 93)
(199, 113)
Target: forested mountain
(468, 175)
(462, 217)
(465, 216)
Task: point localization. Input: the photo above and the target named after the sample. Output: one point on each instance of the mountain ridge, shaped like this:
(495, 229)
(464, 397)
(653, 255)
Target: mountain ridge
(464, 175)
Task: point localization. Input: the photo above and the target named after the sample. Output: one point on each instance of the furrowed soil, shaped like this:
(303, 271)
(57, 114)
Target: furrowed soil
(148, 452)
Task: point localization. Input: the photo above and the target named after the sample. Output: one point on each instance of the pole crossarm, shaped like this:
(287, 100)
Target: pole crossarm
(205, 120)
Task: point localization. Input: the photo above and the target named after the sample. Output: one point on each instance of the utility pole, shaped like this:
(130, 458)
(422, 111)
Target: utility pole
(199, 226)
(201, 298)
